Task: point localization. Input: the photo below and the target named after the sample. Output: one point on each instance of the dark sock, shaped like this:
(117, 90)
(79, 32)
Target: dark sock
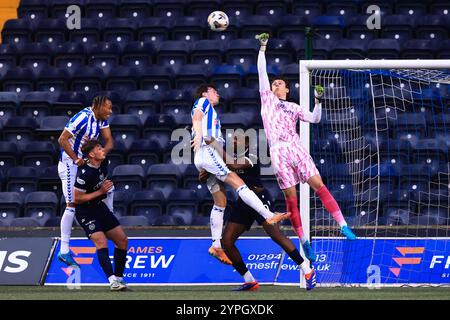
(295, 256)
(240, 267)
(120, 258)
(105, 262)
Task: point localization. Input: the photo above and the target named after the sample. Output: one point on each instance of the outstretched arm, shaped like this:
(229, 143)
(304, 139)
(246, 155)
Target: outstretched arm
(264, 84)
(316, 115)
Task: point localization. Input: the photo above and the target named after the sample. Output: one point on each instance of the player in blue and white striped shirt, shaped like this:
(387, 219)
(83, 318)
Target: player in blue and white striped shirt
(85, 125)
(207, 140)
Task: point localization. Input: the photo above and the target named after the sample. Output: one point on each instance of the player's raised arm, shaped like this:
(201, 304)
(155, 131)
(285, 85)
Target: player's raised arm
(264, 83)
(197, 116)
(108, 138)
(316, 115)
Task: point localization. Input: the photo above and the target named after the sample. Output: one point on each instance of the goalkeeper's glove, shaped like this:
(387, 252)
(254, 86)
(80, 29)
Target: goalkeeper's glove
(318, 92)
(263, 39)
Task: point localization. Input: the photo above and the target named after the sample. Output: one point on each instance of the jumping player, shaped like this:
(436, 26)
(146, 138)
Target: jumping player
(85, 125)
(291, 162)
(242, 218)
(94, 216)
(206, 125)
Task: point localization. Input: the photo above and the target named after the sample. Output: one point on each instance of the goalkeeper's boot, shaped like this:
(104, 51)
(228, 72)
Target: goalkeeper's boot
(127, 288)
(310, 280)
(248, 286)
(68, 259)
(219, 253)
(346, 231)
(309, 252)
(277, 217)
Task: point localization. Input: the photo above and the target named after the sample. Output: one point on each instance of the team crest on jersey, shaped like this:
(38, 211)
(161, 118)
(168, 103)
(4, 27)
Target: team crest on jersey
(102, 176)
(83, 171)
(91, 226)
(80, 181)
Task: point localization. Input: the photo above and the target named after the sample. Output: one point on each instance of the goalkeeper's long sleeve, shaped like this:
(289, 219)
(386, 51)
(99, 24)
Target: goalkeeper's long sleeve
(315, 116)
(264, 84)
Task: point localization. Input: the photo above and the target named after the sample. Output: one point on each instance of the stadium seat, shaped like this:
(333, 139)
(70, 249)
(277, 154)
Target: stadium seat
(32, 9)
(128, 177)
(69, 103)
(190, 76)
(398, 27)
(121, 203)
(137, 54)
(349, 49)
(343, 8)
(207, 52)
(41, 206)
(386, 7)
(34, 56)
(383, 49)
(36, 104)
(49, 181)
(227, 77)
(433, 27)
(19, 129)
(165, 220)
(159, 128)
(120, 79)
(411, 8)
(89, 33)
(177, 102)
(8, 57)
(53, 80)
(144, 153)
(438, 7)
(163, 177)
(236, 9)
(202, 8)
(182, 206)
(308, 8)
(87, 79)
(149, 204)
(19, 80)
(136, 9)
(133, 221)
(10, 206)
(9, 103)
(172, 53)
(252, 78)
(58, 8)
(38, 154)
(156, 78)
(270, 8)
(190, 181)
(168, 9)
(293, 26)
(247, 101)
(18, 31)
(251, 26)
(357, 29)
(187, 28)
(22, 180)
(142, 103)
(328, 27)
(50, 31)
(24, 222)
(119, 30)
(429, 150)
(51, 127)
(104, 55)
(101, 10)
(117, 156)
(126, 127)
(418, 49)
(242, 52)
(154, 30)
(9, 155)
(322, 49)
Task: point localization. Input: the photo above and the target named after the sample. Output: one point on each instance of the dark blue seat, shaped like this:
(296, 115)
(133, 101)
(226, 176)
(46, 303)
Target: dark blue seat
(8, 57)
(182, 205)
(22, 180)
(144, 153)
(434, 27)
(35, 56)
(383, 49)
(137, 54)
(357, 28)
(349, 49)
(121, 79)
(343, 8)
(443, 51)
(104, 55)
(155, 78)
(386, 7)
(190, 76)
(41, 205)
(164, 220)
(427, 151)
(271, 8)
(247, 100)
(128, 177)
(9, 103)
(191, 182)
(49, 181)
(89, 33)
(121, 202)
(154, 29)
(172, 53)
(149, 203)
(227, 77)
(18, 31)
(439, 7)
(38, 154)
(126, 127)
(37, 104)
(207, 52)
(251, 26)
(414, 123)
(168, 9)
(398, 27)
(136, 9)
(309, 8)
(236, 9)
(87, 79)
(163, 177)
(322, 49)
(69, 103)
(101, 10)
(188, 28)
(202, 8)
(20, 80)
(252, 79)
(19, 129)
(50, 31)
(329, 27)
(11, 206)
(9, 155)
(119, 30)
(279, 52)
(293, 26)
(418, 49)
(134, 221)
(32, 9)
(411, 8)
(24, 222)
(58, 8)
(53, 79)
(176, 102)
(142, 103)
(117, 156)
(242, 52)
(159, 128)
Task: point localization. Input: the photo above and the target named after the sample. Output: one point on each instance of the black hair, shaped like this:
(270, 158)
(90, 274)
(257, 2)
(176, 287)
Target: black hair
(286, 81)
(203, 88)
(89, 146)
(98, 101)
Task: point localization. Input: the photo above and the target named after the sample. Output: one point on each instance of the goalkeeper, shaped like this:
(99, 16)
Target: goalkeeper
(291, 162)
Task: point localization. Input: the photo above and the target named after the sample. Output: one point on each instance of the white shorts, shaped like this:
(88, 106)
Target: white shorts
(208, 158)
(67, 173)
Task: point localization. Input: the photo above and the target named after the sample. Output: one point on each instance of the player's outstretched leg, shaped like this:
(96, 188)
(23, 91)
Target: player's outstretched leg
(64, 254)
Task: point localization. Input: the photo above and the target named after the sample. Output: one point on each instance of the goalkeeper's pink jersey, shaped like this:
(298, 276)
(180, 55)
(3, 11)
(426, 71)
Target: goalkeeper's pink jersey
(280, 118)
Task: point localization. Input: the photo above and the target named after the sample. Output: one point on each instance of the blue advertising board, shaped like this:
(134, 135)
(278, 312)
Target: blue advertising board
(186, 261)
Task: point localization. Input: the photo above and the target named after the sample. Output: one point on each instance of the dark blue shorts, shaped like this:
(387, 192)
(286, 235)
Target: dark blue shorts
(95, 218)
(245, 215)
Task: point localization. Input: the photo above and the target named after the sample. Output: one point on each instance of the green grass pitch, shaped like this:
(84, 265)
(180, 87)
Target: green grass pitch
(266, 292)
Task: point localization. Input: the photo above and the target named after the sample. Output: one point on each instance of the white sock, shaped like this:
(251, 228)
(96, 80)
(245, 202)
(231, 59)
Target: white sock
(216, 222)
(66, 228)
(305, 268)
(248, 277)
(111, 279)
(252, 200)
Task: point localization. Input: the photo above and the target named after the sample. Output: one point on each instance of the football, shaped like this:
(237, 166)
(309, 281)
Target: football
(218, 21)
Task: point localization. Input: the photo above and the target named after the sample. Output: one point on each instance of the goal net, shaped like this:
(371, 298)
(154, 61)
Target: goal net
(382, 148)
